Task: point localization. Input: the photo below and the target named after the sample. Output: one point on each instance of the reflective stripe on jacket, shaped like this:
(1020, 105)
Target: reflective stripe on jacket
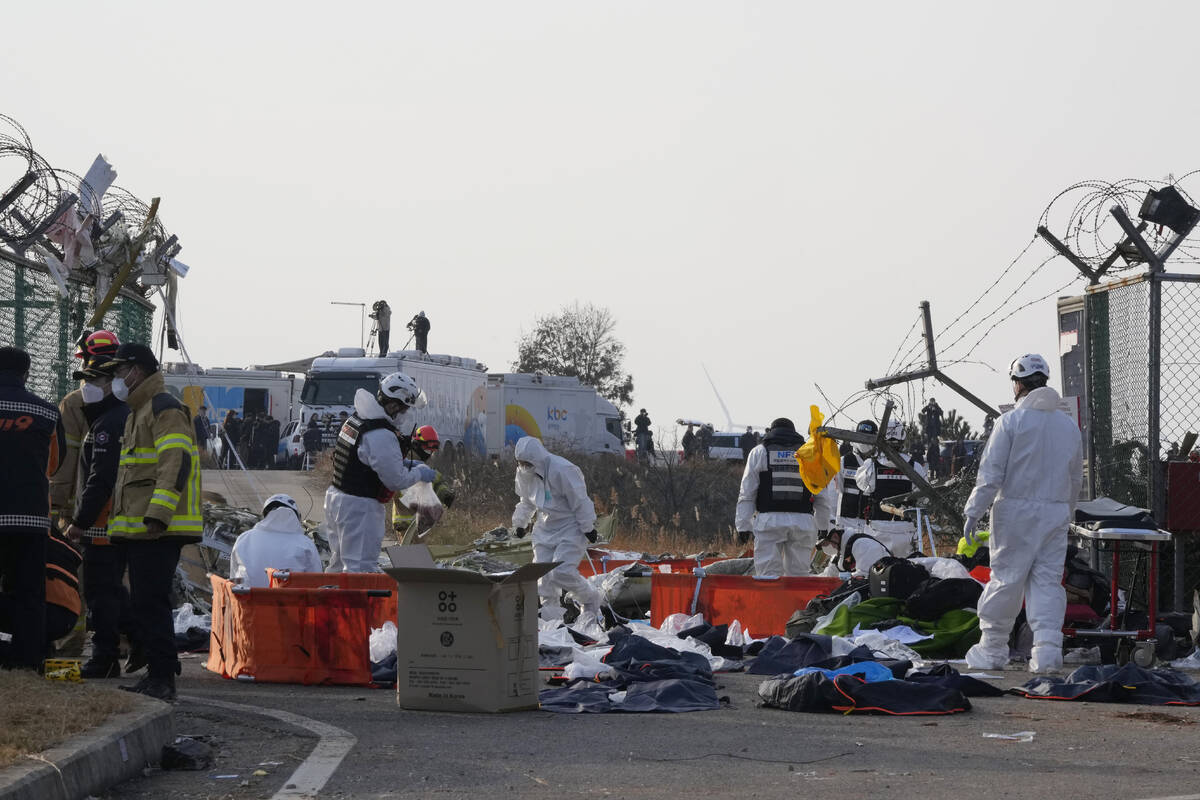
(159, 472)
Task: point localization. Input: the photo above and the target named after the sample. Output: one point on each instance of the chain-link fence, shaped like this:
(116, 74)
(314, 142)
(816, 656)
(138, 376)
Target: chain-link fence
(1118, 321)
(37, 318)
(1144, 399)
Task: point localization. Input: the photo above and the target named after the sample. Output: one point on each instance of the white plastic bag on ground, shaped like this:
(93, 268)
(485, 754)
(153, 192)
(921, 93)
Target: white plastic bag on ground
(587, 664)
(680, 622)
(879, 644)
(423, 501)
(383, 641)
(943, 568)
(185, 618)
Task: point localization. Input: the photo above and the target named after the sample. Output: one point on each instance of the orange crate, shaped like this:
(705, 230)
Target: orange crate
(762, 605)
(308, 636)
(382, 609)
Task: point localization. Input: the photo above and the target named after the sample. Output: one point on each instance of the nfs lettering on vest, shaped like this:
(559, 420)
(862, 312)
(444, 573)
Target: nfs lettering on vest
(781, 457)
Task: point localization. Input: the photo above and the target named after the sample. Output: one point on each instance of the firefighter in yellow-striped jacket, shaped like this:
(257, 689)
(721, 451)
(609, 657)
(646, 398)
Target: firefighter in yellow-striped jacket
(156, 505)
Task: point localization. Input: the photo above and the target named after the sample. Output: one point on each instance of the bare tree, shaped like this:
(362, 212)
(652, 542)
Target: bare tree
(578, 341)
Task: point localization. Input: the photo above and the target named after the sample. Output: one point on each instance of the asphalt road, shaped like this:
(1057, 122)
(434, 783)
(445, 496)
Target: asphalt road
(1080, 750)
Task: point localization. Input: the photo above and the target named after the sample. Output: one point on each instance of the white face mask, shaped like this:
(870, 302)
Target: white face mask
(91, 393)
(829, 549)
(864, 450)
(119, 389)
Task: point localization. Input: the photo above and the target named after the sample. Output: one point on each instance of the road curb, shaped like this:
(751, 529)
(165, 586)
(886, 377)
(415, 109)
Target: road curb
(94, 761)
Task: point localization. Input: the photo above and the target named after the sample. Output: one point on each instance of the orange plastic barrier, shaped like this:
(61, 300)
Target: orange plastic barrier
(605, 564)
(308, 636)
(763, 606)
(382, 609)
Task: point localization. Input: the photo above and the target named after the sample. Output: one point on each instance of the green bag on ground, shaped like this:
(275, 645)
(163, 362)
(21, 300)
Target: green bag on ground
(953, 633)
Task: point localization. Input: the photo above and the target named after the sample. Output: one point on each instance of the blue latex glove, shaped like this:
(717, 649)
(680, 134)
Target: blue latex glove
(969, 528)
(424, 473)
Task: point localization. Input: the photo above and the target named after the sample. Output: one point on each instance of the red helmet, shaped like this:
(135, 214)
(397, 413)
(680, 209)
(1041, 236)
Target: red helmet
(425, 439)
(100, 343)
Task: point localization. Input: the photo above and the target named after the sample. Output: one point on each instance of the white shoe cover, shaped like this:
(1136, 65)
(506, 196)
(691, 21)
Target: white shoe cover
(1046, 658)
(979, 657)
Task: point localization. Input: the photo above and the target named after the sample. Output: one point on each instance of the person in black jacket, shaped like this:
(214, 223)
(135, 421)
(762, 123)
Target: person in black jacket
(419, 325)
(104, 564)
(313, 436)
(31, 441)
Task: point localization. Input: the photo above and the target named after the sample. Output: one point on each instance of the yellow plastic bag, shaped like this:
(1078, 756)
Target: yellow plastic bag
(819, 459)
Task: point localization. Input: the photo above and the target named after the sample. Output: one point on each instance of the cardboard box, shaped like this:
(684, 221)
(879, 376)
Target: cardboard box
(465, 641)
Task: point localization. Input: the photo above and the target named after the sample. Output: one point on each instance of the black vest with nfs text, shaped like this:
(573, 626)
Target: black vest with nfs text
(780, 487)
(350, 474)
(890, 481)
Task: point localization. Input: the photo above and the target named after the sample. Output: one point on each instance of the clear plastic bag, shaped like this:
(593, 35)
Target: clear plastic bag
(383, 641)
(423, 501)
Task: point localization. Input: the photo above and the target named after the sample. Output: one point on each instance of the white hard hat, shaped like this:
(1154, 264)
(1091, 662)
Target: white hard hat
(895, 430)
(281, 500)
(399, 386)
(1029, 364)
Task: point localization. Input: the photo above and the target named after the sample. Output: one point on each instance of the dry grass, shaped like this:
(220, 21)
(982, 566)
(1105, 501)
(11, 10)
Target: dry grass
(36, 714)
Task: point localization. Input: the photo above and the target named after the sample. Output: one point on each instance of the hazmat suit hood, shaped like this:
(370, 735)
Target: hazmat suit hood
(1044, 399)
(532, 450)
(281, 520)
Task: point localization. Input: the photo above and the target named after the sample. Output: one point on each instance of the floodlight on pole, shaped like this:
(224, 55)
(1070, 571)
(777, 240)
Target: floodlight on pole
(362, 323)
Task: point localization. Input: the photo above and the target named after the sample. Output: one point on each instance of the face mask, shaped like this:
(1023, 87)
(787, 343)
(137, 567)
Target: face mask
(829, 549)
(91, 393)
(864, 450)
(119, 389)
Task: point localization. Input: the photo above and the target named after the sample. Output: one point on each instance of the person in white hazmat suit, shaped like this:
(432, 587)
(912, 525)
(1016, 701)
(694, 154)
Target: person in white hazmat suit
(776, 506)
(368, 469)
(1030, 476)
(277, 541)
(555, 501)
(854, 552)
(878, 478)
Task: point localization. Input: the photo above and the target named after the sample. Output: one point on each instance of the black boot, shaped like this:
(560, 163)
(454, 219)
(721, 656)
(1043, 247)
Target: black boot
(136, 660)
(153, 686)
(100, 668)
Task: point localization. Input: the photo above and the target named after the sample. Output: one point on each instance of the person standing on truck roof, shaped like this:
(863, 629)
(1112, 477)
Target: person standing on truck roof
(381, 312)
(555, 502)
(419, 325)
(777, 507)
(1030, 476)
(368, 469)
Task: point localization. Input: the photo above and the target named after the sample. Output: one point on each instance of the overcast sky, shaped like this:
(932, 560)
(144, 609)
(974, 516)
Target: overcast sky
(768, 189)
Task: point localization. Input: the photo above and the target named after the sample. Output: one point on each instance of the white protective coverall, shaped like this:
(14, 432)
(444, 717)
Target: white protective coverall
(555, 500)
(898, 535)
(277, 541)
(356, 525)
(783, 540)
(1032, 468)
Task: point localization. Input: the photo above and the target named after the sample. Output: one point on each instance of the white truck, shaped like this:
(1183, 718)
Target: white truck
(453, 385)
(224, 389)
(473, 411)
(559, 410)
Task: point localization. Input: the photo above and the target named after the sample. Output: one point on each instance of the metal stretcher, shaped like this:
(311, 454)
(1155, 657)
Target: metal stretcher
(1106, 527)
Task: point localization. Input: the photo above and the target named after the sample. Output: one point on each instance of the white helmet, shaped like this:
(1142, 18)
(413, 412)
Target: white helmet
(277, 500)
(399, 386)
(1027, 365)
(895, 431)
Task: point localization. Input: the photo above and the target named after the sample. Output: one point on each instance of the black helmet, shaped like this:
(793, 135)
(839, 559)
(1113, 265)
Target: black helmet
(868, 426)
(784, 424)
